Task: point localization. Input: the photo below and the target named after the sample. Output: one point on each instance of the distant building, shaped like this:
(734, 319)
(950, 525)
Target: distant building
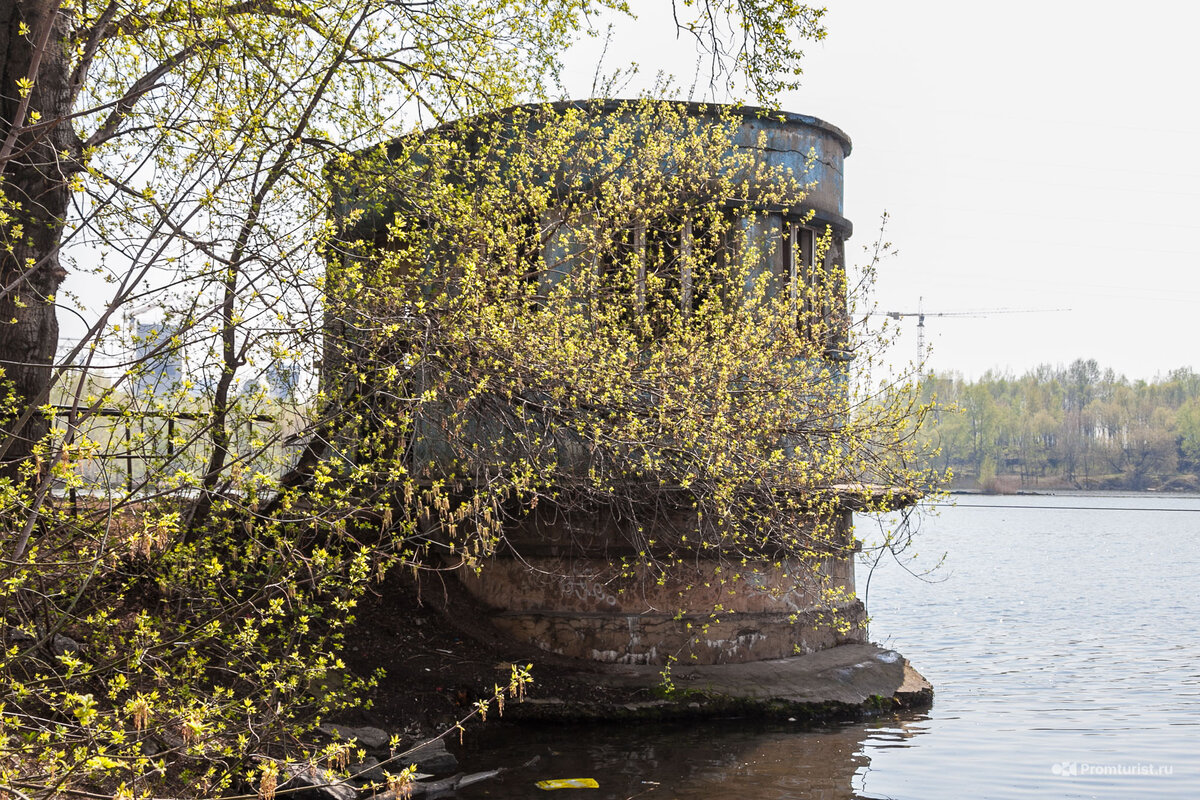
(159, 362)
(282, 379)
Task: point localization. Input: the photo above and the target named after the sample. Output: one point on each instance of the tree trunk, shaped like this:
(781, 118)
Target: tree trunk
(36, 162)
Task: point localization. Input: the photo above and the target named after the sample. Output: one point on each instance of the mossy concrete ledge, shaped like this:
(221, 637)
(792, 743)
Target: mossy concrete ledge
(850, 682)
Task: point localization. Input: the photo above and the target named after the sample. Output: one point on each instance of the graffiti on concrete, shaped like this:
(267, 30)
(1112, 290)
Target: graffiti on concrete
(584, 588)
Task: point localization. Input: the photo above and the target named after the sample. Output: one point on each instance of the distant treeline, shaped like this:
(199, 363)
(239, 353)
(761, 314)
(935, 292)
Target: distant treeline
(1079, 426)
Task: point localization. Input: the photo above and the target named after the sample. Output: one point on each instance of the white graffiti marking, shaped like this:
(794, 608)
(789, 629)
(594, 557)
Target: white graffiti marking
(585, 590)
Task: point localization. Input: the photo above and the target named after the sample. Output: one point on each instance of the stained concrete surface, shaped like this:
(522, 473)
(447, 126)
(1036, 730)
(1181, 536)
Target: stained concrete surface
(853, 681)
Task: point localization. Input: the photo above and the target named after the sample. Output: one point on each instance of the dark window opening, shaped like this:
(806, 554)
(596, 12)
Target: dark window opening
(802, 277)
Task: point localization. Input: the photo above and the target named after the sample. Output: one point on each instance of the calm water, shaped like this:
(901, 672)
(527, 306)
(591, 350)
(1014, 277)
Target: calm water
(1063, 644)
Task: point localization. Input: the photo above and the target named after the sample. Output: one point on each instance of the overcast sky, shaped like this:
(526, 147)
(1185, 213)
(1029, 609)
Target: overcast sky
(1030, 155)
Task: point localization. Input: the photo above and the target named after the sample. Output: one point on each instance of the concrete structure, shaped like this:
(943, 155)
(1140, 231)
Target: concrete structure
(561, 586)
(853, 682)
(565, 582)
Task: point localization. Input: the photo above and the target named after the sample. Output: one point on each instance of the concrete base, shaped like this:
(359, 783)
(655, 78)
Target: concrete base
(854, 681)
(651, 639)
(590, 608)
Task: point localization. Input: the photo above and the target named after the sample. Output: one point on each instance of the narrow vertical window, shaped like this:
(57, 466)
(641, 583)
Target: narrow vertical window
(801, 274)
(805, 250)
(791, 264)
(813, 307)
(556, 252)
(597, 279)
(639, 254)
(685, 268)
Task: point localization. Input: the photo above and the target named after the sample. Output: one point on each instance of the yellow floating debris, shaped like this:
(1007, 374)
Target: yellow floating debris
(569, 783)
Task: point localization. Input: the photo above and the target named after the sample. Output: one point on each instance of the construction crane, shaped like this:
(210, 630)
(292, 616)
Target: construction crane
(921, 314)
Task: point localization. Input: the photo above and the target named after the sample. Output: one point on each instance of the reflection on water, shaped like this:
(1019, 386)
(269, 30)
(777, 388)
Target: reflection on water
(1063, 644)
(739, 758)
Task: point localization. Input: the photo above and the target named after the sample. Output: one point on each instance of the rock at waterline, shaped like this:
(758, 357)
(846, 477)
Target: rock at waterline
(306, 782)
(432, 757)
(368, 737)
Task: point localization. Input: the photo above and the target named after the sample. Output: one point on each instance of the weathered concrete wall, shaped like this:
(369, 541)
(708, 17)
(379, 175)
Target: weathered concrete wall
(594, 586)
(564, 594)
(566, 584)
(789, 140)
(575, 584)
(657, 639)
(701, 614)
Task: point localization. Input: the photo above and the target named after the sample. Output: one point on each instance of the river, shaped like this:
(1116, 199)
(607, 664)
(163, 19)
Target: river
(1061, 634)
